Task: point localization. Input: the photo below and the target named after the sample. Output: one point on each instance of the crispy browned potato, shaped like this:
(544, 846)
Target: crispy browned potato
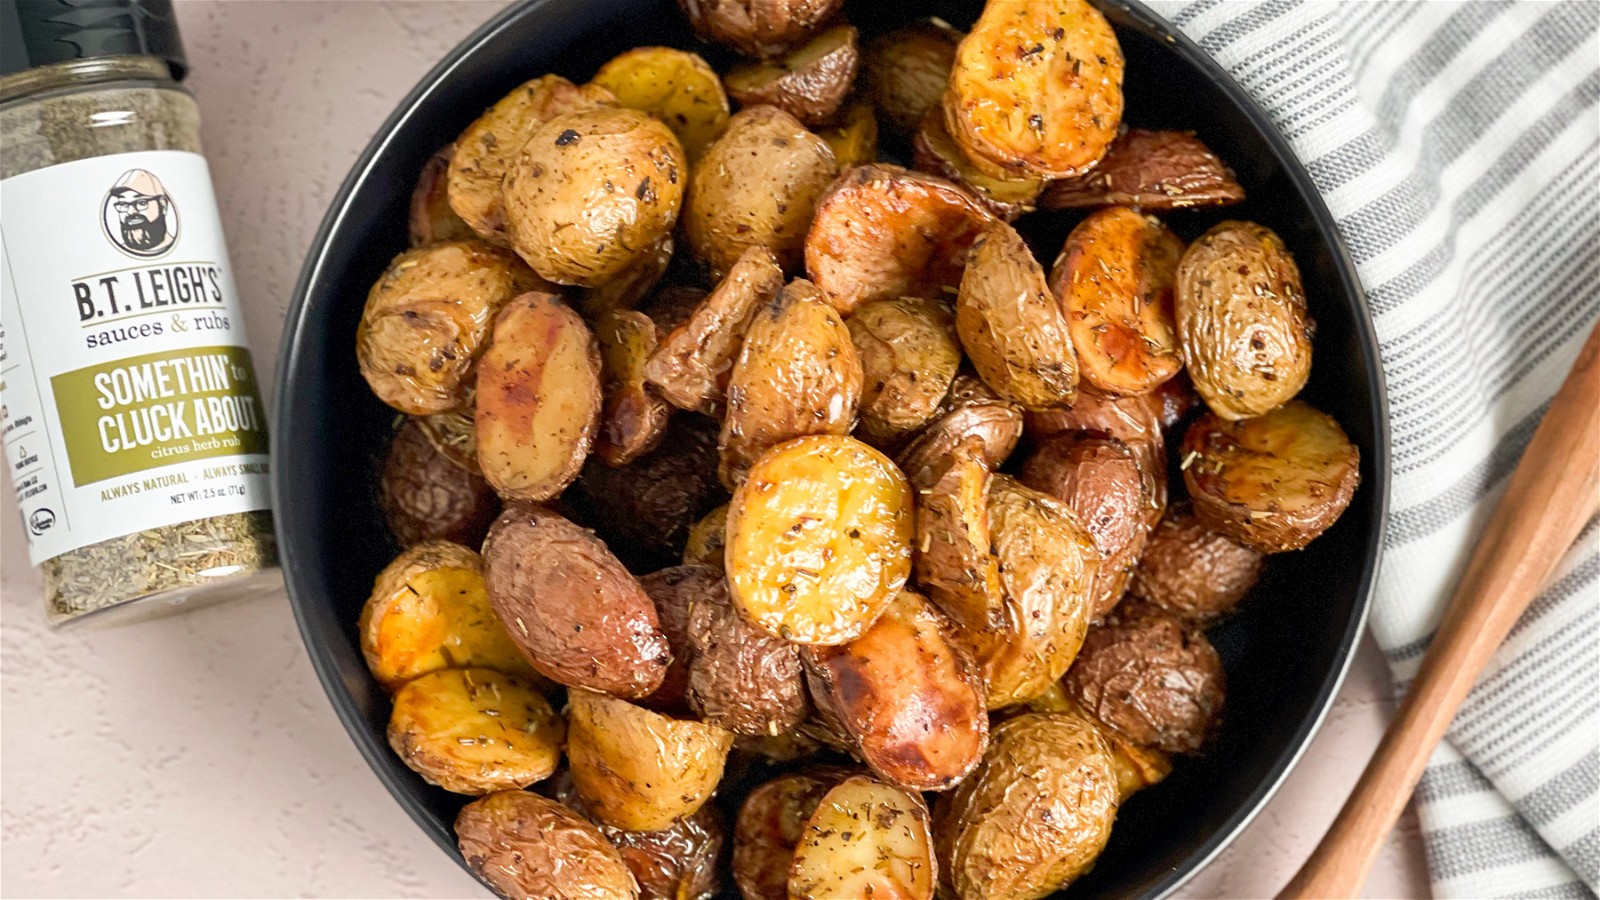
(707, 539)
(633, 419)
(934, 151)
(1012, 326)
(1152, 170)
(432, 219)
(1242, 320)
(675, 86)
(819, 539)
(808, 83)
(760, 28)
(692, 364)
(427, 321)
(475, 731)
(675, 590)
(740, 677)
(429, 610)
(630, 287)
(592, 193)
(490, 144)
(797, 373)
(1036, 88)
(571, 607)
(909, 356)
(427, 496)
(1151, 678)
(971, 410)
(525, 845)
(990, 832)
(853, 137)
(644, 510)
(1100, 479)
(640, 770)
(905, 71)
(771, 824)
(1115, 277)
(757, 186)
(883, 232)
(1131, 419)
(953, 558)
(1137, 767)
(907, 695)
(1275, 482)
(1192, 572)
(678, 862)
(538, 399)
(866, 839)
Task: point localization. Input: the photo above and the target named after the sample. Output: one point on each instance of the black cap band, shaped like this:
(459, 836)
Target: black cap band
(41, 32)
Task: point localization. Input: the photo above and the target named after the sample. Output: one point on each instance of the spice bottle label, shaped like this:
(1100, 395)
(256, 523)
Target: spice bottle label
(127, 393)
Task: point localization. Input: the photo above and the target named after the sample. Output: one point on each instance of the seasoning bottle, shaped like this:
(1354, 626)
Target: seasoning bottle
(134, 432)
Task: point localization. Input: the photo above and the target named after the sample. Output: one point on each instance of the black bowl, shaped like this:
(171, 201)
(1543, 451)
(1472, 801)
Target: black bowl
(1285, 653)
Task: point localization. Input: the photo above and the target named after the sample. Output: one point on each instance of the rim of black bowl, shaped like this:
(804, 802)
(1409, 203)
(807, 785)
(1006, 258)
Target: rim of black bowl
(302, 597)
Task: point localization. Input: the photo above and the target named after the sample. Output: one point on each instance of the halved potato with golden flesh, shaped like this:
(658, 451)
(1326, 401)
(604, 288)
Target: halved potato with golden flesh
(866, 839)
(675, 86)
(854, 136)
(819, 539)
(1275, 482)
(1115, 278)
(692, 364)
(475, 731)
(1242, 320)
(633, 418)
(1036, 88)
(706, 544)
(1152, 170)
(954, 559)
(538, 400)
(934, 151)
(1012, 326)
(432, 219)
(525, 845)
(909, 355)
(972, 410)
(808, 83)
(904, 72)
(429, 610)
(883, 232)
(640, 770)
(771, 824)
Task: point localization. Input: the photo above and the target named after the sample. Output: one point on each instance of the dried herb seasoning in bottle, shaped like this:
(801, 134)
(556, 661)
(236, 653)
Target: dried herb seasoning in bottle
(134, 431)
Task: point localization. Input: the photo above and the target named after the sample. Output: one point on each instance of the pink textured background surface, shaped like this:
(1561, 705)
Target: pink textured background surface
(197, 756)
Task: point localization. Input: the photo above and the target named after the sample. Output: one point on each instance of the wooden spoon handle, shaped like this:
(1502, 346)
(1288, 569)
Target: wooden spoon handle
(1551, 495)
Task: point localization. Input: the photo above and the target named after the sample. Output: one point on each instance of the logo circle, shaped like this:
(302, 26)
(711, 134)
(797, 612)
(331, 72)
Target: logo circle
(139, 217)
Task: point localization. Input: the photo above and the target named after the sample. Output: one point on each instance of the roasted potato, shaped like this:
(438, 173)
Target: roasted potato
(1137, 767)
(633, 417)
(866, 839)
(1192, 572)
(1275, 482)
(454, 434)
(760, 28)
(571, 607)
(427, 496)
(1133, 419)
(1034, 815)
(690, 367)
(757, 186)
(954, 556)
(1036, 88)
(678, 862)
(429, 610)
(1048, 564)
(904, 72)
(475, 731)
(427, 321)
(675, 590)
(645, 509)
(907, 695)
(631, 286)
(1012, 326)
(853, 137)
(1101, 480)
(538, 400)
(677, 87)
(432, 219)
(883, 232)
(934, 151)
(1149, 677)
(1115, 277)
(487, 149)
(524, 845)
(592, 193)
(1172, 400)
(707, 539)
(1153, 170)
(971, 410)
(909, 355)
(740, 677)
(771, 825)
(640, 770)
(1242, 320)
(819, 539)
(797, 374)
(808, 83)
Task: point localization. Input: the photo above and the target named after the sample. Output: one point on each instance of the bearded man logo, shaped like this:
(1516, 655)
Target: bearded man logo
(138, 215)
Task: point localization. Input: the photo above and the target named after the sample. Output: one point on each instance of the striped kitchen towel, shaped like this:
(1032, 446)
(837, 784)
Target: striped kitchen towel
(1458, 144)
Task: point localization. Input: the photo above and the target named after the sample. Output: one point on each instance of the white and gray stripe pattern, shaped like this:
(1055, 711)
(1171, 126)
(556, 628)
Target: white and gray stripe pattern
(1458, 144)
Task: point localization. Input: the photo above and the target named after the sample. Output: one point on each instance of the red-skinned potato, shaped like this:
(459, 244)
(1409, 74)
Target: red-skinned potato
(739, 677)
(1153, 170)
(808, 83)
(1192, 572)
(675, 590)
(771, 824)
(427, 496)
(678, 862)
(972, 410)
(525, 845)
(904, 72)
(759, 28)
